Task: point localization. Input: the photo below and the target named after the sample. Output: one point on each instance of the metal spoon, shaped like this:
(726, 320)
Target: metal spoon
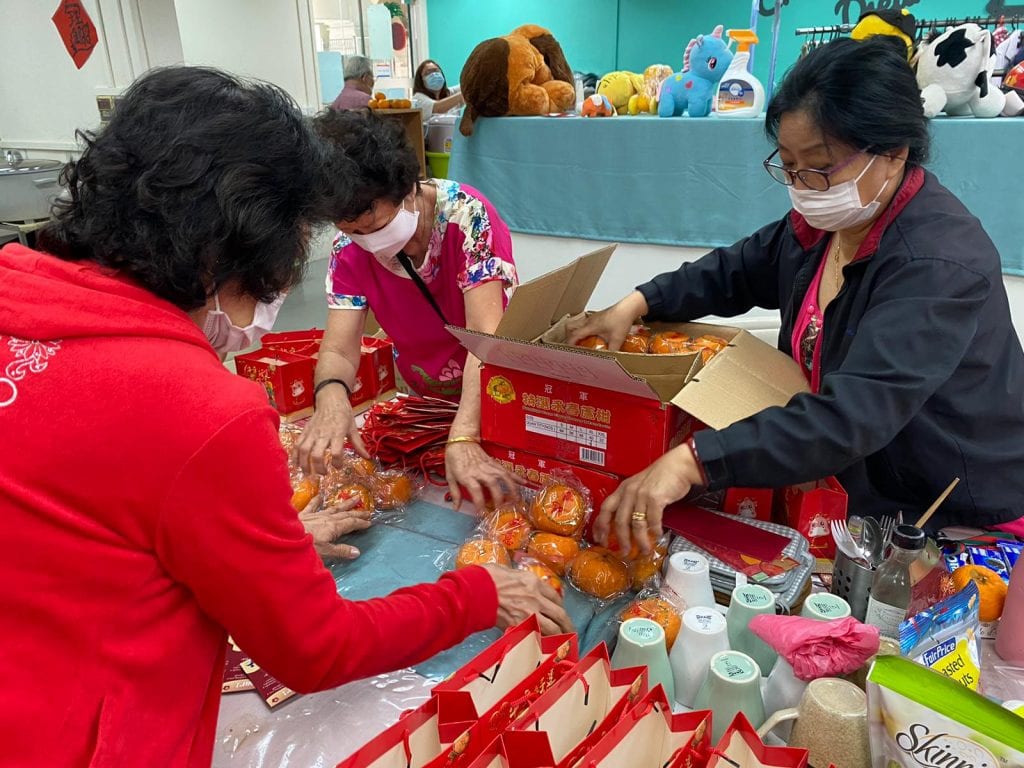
(872, 537)
(855, 524)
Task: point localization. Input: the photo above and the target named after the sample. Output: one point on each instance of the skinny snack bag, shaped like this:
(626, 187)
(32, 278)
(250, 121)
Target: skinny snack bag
(922, 719)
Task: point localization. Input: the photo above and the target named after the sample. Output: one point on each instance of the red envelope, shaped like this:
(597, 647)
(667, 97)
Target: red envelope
(649, 734)
(740, 745)
(412, 742)
(505, 672)
(724, 531)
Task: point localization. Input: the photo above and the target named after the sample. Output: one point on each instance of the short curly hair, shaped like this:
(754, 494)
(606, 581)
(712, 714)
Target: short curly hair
(383, 166)
(200, 179)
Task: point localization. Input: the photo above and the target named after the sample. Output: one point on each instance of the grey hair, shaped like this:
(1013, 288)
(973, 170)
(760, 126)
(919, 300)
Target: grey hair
(357, 67)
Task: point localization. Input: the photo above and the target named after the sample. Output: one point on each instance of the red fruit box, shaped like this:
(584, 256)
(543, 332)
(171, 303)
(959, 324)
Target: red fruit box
(810, 508)
(617, 412)
(541, 470)
(287, 378)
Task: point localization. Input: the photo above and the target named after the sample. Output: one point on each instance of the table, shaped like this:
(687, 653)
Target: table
(323, 728)
(699, 182)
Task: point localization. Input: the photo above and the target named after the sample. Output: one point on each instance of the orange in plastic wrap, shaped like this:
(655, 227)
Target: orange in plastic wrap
(355, 491)
(646, 567)
(545, 574)
(657, 609)
(482, 552)
(361, 467)
(592, 342)
(509, 525)
(304, 490)
(599, 572)
(636, 343)
(670, 343)
(559, 508)
(393, 490)
(714, 343)
(553, 550)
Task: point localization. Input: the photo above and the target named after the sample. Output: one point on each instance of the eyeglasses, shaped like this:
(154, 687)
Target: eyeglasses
(809, 177)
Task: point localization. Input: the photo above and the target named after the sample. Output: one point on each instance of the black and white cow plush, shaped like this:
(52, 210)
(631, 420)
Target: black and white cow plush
(953, 72)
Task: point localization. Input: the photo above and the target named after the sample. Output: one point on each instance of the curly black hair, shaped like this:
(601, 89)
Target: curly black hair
(199, 179)
(383, 165)
(861, 93)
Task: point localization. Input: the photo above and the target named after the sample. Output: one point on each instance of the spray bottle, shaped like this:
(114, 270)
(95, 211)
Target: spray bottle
(740, 94)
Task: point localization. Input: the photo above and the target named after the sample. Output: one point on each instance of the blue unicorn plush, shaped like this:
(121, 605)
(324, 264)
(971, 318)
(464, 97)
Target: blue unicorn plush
(692, 89)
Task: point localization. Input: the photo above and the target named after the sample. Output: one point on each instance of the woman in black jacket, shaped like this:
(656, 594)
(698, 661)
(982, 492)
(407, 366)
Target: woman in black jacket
(892, 303)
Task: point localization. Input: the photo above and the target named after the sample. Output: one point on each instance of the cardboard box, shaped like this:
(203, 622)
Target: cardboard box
(287, 378)
(617, 412)
(810, 508)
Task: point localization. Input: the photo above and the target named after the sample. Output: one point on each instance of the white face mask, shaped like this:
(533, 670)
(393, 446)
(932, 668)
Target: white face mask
(392, 237)
(838, 207)
(226, 337)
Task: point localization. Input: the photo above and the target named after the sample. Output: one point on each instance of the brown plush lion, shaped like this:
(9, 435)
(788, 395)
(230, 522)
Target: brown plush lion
(524, 73)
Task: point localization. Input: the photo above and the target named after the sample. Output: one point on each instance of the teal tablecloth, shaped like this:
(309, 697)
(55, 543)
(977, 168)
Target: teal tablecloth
(699, 182)
(413, 548)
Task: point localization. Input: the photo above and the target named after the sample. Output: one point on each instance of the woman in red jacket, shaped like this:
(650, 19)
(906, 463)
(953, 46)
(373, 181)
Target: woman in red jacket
(143, 491)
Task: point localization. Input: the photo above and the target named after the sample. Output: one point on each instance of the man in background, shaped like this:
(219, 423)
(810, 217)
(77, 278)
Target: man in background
(358, 84)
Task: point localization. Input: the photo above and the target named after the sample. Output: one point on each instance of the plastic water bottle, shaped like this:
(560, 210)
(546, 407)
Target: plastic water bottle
(890, 589)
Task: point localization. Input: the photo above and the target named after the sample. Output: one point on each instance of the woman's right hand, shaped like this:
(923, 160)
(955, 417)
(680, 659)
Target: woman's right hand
(330, 425)
(610, 324)
(521, 593)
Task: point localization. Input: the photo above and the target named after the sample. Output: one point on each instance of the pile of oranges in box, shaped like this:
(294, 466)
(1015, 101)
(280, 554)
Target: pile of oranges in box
(641, 340)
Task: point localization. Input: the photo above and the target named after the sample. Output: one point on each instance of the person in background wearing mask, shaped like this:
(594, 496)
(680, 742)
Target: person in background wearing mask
(358, 84)
(144, 492)
(892, 303)
(421, 256)
(430, 92)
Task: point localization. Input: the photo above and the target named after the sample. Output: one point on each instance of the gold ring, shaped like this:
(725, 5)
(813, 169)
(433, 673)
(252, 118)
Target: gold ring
(639, 517)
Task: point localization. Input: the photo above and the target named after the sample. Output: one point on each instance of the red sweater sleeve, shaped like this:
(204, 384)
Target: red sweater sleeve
(228, 532)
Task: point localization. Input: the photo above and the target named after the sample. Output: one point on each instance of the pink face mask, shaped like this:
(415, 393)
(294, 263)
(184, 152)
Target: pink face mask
(226, 337)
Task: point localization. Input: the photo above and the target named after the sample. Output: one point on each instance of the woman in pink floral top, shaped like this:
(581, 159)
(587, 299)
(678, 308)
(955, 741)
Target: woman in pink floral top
(461, 250)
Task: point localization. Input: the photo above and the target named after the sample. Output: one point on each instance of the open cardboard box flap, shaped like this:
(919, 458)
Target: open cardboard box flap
(746, 378)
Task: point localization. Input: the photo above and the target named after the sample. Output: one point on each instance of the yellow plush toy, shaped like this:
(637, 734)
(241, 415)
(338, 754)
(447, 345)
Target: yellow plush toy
(646, 101)
(618, 87)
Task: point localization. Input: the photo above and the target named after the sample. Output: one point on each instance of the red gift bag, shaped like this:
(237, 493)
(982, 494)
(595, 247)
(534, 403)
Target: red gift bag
(496, 684)
(650, 736)
(412, 742)
(741, 746)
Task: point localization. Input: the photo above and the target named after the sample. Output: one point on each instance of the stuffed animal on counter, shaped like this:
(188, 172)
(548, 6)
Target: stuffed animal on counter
(619, 88)
(953, 72)
(597, 105)
(899, 24)
(692, 90)
(524, 73)
(647, 100)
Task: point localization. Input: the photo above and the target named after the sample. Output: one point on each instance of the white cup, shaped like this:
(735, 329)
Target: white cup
(823, 606)
(702, 635)
(689, 576)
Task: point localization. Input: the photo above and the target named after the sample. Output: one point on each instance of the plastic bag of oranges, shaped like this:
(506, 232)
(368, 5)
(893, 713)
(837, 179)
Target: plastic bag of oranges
(658, 607)
(562, 507)
(599, 572)
(541, 571)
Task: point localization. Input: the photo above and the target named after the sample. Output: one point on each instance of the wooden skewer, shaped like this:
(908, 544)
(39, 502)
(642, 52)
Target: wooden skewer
(922, 521)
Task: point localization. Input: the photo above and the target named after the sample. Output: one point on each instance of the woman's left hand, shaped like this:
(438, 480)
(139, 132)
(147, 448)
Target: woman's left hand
(637, 504)
(330, 523)
(468, 466)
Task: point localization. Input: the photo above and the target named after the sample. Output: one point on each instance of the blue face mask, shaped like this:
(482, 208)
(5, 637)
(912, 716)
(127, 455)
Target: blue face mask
(434, 81)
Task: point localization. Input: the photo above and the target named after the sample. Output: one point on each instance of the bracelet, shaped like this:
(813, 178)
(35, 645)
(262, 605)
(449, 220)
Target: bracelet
(324, 383)
(463, 439)
(692, 445)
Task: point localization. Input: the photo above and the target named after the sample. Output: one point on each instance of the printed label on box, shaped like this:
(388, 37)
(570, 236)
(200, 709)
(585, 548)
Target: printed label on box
(574, 433)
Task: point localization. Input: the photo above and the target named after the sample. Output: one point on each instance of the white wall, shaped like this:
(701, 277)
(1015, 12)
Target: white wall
(267, 39)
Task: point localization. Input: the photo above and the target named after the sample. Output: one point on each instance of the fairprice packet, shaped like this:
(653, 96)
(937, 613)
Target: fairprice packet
(922, 719)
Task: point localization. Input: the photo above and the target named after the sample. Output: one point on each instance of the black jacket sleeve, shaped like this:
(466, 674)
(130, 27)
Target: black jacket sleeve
(918, 325)
(726, 282)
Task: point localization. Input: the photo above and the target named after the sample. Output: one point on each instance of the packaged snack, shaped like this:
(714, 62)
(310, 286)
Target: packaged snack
(921, 719)
(991, 558)
(945, 637)
(1012, 551)
(955, 560)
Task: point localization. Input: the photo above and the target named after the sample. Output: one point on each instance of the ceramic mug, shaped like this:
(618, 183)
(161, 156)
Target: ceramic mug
(823, 606)
(688, 574)
(641, 643)
(733, 685)
(748, 601)
(831, 723)
(701, 636)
